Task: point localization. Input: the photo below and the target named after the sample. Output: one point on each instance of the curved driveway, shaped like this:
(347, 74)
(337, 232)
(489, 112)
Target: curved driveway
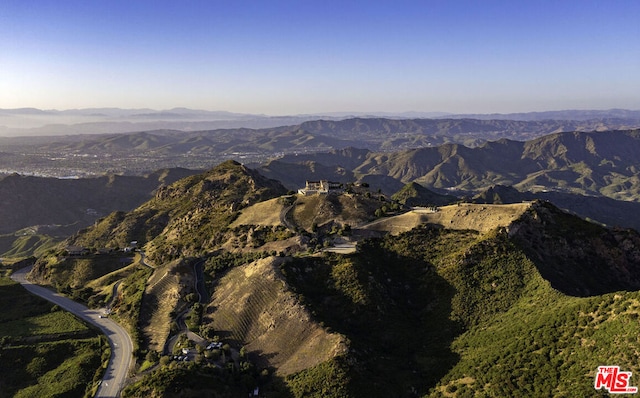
(121, 345)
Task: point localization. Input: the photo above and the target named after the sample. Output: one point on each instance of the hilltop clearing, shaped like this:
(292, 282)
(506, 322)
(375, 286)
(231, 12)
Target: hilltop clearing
(614, 213)
(329, 210)
(267, 213)
(462, 216)
(309, 212)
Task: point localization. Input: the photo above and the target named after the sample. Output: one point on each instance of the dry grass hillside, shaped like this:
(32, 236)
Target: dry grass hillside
(262, 213)
(324, 209)
(310, 210)
(161, 297)
(479, 217)
(253, 305)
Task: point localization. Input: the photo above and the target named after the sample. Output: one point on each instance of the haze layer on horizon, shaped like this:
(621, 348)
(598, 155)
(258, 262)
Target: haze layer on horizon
(291, 57)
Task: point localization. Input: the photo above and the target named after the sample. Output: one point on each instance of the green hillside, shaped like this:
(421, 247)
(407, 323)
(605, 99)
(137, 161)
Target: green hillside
(25, 244)
(455, 313)
(45, 351)
(186, 218)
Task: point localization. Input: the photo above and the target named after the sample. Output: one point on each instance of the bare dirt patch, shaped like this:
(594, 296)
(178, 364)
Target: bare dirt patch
(253, 306)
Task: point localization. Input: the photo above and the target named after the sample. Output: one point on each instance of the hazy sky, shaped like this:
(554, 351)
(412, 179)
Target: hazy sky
(288, 57)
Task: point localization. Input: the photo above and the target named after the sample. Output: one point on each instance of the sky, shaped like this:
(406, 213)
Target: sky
(297, 57)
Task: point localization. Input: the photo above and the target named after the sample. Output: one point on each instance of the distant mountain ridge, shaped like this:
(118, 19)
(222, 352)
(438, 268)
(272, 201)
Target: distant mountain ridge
(182, 147)
(597, 163)
(371, 133)
(592, 174)
(573, 114)
(29, 201)
(33, 121)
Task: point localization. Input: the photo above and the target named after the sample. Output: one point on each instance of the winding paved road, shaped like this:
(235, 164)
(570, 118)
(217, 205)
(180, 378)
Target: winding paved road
(121, 345)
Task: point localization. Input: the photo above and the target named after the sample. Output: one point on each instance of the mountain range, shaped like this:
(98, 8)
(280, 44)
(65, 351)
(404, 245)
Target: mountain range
(508, 300)
(38, 122)
(591, 174)
(85, 152)
(587, 162)
(450, 257)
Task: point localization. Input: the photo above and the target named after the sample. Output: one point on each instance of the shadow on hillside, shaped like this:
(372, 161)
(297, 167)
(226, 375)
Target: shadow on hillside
(394, 310)
(337, 207)
(148, 307)
(589, 272)
(577, 257)
(398, 329)
(262, 359)
(602, 209)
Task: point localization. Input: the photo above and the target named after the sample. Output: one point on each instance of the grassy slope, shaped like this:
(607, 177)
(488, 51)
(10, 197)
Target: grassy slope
(161, 296)
(25, 245)
(464, 216)
(262, 213)
(546, 344)
(44, 351)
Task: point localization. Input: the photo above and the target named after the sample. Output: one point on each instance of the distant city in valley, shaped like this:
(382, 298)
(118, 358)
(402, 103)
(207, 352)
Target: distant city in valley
(94, 142)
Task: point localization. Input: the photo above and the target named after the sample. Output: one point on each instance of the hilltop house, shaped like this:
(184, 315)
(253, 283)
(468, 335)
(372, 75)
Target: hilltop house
(322, 187)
